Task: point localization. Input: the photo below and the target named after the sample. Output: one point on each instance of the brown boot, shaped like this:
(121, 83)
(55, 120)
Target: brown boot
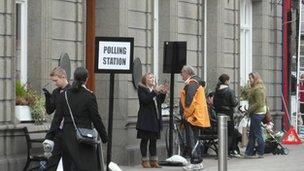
(154, 164)
(145, 164)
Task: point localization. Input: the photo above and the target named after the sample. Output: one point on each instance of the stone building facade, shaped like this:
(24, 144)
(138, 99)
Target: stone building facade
(223, 36)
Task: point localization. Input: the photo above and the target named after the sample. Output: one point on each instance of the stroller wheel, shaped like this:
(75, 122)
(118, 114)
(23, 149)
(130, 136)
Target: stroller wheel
(284, 151)
(277, 151)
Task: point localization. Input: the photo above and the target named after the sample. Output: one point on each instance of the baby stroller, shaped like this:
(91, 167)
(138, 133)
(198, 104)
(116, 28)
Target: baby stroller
(272, 144)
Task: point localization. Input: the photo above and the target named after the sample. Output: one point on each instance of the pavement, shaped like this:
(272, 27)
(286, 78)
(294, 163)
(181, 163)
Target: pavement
(294, 161)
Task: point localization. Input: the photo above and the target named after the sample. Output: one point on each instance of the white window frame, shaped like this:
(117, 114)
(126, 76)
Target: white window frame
(23, 41)
(245, 40)
(156, 40)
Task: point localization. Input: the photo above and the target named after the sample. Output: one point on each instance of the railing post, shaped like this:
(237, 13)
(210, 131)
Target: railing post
(223, 145)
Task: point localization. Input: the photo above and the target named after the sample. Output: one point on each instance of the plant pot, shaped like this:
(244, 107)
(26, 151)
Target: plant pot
(244, 105)
(23, 113)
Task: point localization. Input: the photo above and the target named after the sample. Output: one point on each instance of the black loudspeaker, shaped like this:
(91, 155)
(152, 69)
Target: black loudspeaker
(174, 56)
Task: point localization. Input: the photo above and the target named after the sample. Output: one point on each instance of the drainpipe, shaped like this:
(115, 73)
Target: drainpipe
(205, 40)
(155, 40)
(285, 50)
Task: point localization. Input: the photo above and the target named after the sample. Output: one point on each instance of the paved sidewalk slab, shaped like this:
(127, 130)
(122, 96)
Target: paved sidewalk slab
(294, 161)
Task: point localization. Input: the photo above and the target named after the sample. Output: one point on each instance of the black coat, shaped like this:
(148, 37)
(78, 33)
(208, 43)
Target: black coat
(224, 101)
(85, 111)
(51, 103)
(148, 120)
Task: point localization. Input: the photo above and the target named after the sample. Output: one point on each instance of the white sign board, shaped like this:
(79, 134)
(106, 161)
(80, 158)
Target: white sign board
(114, 54)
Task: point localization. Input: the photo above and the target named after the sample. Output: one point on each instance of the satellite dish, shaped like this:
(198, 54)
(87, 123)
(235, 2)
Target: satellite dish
(137, 72)
(64, 62)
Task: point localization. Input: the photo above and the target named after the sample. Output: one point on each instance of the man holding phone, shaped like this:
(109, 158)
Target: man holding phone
(59, 78)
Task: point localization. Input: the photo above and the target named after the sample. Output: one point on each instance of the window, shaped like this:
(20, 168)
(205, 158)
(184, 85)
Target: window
(245, 40)
(21, 40)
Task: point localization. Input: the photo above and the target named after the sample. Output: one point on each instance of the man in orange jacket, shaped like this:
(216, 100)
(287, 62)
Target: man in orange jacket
(194, 111)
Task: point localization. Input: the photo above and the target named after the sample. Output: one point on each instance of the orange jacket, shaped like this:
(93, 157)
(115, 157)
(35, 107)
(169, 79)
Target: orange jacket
(197, 113)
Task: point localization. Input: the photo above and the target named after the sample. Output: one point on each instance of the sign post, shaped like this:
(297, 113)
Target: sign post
(113, 55)
(175, 54)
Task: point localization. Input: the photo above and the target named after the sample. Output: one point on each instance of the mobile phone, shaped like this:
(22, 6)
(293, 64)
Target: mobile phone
(46, 86)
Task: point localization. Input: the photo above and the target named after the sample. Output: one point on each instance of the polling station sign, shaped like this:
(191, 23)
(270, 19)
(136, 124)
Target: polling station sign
(114, 54)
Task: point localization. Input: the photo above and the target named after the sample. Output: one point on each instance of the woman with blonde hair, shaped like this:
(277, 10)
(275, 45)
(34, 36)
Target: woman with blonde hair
(149, 121)
(257, 110)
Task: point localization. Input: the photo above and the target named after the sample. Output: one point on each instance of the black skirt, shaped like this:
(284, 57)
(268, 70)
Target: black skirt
(141, 134)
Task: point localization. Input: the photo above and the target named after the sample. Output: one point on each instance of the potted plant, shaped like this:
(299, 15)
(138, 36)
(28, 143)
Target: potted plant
(244, 96)
(29, 104)
(22, 108)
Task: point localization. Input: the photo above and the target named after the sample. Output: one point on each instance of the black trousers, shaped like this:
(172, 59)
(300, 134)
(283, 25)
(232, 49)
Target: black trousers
(57, 153)
(152, 147)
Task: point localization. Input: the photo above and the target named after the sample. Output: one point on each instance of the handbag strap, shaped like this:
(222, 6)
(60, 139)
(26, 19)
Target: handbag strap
(156, 107)
(267, 107)
(66, 98)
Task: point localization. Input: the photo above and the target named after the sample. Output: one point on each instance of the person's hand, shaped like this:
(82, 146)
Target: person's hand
(158, 89)
(104, 139)
(242, 109)
(165, 88)
(203, 83)
(46, 93)
(183, 120)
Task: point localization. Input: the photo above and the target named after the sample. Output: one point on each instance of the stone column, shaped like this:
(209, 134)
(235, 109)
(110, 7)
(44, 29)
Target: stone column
(7, 68)
(39, 42)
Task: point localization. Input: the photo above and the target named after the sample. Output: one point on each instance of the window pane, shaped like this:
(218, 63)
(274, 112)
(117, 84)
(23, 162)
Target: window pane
(18, 40)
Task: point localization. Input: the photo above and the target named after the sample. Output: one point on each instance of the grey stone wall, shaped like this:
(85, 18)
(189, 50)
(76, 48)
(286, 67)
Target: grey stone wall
(223, 41)
(124, 19)
(189, 29)
(182, 21)
(229, 62)
(55, 27)
(68, 31)
(214, 38)
(223, 44)
(178, 21)
(267, 49)
(7, 88)
(6, 62)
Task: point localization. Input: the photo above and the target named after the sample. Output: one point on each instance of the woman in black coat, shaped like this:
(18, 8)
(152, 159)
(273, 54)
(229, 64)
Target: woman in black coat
(149, 117)
(85, 112)
(224, 102)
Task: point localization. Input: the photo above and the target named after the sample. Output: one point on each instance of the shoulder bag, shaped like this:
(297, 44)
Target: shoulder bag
(268, 116)
(83, 135)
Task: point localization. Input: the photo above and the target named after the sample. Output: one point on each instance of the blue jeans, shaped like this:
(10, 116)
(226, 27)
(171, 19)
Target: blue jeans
(255, 134)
